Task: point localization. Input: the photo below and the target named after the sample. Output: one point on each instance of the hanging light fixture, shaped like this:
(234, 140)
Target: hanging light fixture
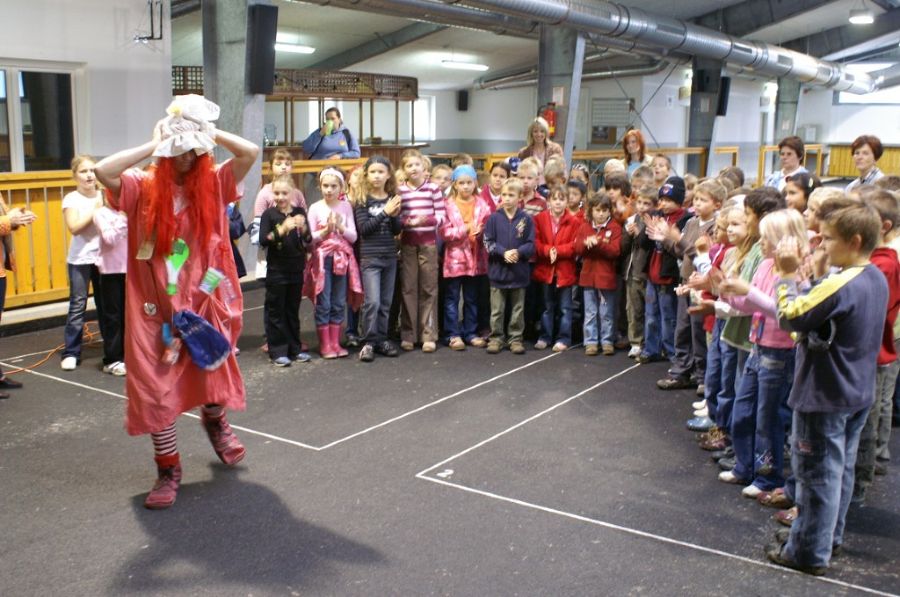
(861, 15)
(463, 65)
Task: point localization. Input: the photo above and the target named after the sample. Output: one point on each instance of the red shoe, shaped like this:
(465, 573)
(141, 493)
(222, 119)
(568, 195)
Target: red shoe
(165, 489)
(334, 331)
(228, 447)
(325, 348)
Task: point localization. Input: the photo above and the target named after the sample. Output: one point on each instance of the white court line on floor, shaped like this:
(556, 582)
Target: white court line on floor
(424, 476)
(343, 439)
(439, 401)
(652, 536)
(187, 414)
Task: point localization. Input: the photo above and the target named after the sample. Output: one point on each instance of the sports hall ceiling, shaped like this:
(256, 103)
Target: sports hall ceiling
(820, 27)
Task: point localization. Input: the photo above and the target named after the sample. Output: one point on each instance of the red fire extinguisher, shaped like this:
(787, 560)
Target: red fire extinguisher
(549, 114)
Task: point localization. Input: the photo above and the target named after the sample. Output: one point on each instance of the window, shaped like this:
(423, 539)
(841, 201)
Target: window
(36, 120)
(424, 118)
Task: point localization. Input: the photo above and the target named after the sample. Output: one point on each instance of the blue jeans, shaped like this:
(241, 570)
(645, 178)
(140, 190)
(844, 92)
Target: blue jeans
(732, 368)
(332, 301)
(378, 277)
(557, 301)
(659, 320)
(823, 451)
(599, 304)
(712, 381)
(757, 428)
(467, 326)
(80, 277)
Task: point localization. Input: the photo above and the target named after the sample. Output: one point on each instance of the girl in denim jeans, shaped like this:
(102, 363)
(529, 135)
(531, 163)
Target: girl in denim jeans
(759, 419)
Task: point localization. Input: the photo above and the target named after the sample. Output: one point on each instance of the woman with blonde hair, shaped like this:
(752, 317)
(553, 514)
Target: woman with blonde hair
(538, 144)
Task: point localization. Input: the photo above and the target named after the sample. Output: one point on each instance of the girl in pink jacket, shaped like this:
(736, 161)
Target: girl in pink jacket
(465, 258)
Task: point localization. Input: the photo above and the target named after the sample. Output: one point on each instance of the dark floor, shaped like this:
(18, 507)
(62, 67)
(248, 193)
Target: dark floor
(443, 474)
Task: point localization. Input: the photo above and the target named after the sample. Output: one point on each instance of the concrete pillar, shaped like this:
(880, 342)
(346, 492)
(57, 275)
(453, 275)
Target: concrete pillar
(556, 57)
(224, 82)
(705, 89)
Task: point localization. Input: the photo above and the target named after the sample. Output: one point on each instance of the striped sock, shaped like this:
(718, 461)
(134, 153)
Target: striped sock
(165, 441)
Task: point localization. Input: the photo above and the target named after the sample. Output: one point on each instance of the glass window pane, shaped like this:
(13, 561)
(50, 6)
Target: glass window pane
(47, 120)
(5, 163)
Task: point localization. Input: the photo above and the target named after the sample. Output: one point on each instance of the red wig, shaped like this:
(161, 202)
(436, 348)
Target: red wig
(200, 193)
(635, 134)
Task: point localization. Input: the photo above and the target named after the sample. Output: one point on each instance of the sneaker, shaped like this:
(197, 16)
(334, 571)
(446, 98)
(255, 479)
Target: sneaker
(352, 341)
(775, 555)
(699, 404)
(700, 424)
(456, 343)
(281, 362)
(429, 346)
(609, 350)
(635, 352)
(701, 412)
(478, 342)
(367, 354)
(540, 345)
(621, 345)
(165, 489)
(774, 499)
(643, 359)
(730, 477)
(69, 364)
(117, 368)
(715, 444)
(782, 536)
(302, 357)
(675, 383)
(517, 348)
(494, 347)
(728, 463)
(387, 348)
(560, 347)
(701, 390)
(720, 454)
(407, 346)
(264, 347)
(591, 350)
(786, 517)
(751, 491)
(227, 446)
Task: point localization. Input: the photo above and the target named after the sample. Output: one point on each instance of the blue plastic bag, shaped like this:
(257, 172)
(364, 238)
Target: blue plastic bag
(206, 345)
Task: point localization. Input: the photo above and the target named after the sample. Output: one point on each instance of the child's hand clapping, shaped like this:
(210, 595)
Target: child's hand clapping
(734, 286)
(591, 241)
(703, 244)
(392, 207)
(511, 256)
(552, 255)
(788, 256)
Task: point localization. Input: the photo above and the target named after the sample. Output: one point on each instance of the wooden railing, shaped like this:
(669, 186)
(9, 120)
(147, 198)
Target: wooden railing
(42, 247)
(840, 162)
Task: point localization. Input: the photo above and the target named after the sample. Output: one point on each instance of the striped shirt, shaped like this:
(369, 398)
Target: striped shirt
(425, 201)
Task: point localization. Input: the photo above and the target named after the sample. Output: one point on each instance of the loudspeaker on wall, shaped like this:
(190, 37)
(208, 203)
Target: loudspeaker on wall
(262, 25)
(462, 100)
(724, 90)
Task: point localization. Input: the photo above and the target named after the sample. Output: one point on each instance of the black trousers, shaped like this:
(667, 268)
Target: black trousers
(283, 318)
(112, 318)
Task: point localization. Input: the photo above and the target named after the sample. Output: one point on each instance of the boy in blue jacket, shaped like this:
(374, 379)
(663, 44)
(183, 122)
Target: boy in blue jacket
(834, 379)
(509, 239)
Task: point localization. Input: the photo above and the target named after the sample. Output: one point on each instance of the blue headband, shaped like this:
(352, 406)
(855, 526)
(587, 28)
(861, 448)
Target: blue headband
(464, 170)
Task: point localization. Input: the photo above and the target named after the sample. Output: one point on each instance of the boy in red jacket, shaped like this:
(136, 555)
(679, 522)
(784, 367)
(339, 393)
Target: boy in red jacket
(554, 238)
(599, 242)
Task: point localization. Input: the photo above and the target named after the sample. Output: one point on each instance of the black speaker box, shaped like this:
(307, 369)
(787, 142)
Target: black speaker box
(462, 100)
(724, 90)
(262, 25)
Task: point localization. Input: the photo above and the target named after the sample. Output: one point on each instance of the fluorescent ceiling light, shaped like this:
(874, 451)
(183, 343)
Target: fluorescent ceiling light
(294, 49)
(463, 65)
(861, 16)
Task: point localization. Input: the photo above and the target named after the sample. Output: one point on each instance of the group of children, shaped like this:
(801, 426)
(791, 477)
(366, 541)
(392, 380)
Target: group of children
(761, 299)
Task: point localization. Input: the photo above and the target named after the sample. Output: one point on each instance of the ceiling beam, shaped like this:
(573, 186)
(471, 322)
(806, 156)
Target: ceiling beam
(377, 46)
(752, 15)
(839, 42)
(180, 8)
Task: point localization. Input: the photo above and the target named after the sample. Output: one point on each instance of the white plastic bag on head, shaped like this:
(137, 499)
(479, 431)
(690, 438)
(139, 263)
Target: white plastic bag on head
(189, 126)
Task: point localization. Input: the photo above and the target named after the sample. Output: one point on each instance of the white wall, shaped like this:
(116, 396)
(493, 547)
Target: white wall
(121, 88)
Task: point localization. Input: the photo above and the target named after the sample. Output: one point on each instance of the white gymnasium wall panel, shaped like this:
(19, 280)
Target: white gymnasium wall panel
(121, 88)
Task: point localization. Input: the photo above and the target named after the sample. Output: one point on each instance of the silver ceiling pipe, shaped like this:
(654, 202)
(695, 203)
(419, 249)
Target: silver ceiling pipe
(617, 21)
(432, 11)
(529, 78)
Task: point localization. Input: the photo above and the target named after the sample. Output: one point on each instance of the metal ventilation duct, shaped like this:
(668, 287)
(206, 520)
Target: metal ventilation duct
(628, 23)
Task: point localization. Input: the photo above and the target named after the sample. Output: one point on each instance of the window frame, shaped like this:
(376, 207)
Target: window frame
(12, 70)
